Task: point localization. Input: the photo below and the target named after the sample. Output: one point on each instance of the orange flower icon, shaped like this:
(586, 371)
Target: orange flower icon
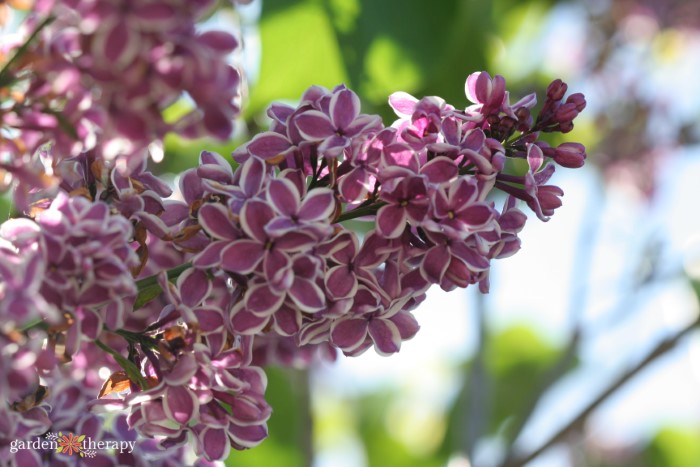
(69, 444)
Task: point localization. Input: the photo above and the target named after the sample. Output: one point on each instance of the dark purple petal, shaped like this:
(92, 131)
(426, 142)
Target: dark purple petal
(474, 260)
(439, 170)
(477, 215)
(247, 436)
(340, 282)
(269, 145)
(287, 321)
(255, 214)
(220, 41)
(386, 336)
(406, 324)
(180, 404)
(242, 256)
(318, 205)
(183, 371)
(194, 287)
(261, 300)
(307, 295)
(252, 176)
(215, 443)
(216, 220)
(245, 322)
(116, 43)
(90, 323)
(209, 319)
(283, 196)
(435, 264)
(349, 334)
(211, 256)
(344, 108)
(391, 221)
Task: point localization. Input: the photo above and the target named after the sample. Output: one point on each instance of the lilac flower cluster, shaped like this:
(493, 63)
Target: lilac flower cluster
(98, 75)
(189, 298)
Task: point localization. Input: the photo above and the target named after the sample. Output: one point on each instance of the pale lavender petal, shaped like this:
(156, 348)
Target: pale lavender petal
(535, 157)
(403, 103)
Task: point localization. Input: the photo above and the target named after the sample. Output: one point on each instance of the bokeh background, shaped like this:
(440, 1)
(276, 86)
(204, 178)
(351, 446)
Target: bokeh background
(591, 293)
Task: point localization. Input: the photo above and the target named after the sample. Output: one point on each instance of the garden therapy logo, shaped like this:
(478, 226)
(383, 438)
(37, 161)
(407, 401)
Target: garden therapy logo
(71, 444)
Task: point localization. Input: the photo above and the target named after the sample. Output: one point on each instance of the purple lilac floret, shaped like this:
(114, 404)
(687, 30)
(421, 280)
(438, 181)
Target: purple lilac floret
(251, 264)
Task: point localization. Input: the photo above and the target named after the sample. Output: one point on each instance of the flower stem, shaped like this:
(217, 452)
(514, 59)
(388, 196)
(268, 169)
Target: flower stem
(368, 210)
(5, 78)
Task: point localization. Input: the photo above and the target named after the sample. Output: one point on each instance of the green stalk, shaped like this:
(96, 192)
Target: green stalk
(4, 79)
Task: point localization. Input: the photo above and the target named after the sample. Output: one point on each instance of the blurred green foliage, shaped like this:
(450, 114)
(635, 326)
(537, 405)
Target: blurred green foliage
(674, 446)
(286, 443)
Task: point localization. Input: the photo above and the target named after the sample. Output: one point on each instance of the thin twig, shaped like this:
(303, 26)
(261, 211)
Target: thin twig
(661, 349)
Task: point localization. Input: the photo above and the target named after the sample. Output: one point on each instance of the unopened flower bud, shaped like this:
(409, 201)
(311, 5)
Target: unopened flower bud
(571, 155)
(556, 90)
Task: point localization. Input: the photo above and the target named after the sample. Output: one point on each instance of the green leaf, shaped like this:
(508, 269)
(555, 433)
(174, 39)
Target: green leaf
(146, 295)
(131, 370)
(149, 288)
